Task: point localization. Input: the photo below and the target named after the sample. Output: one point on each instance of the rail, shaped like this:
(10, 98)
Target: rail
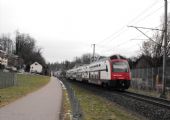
(148, 107)
(152, 100)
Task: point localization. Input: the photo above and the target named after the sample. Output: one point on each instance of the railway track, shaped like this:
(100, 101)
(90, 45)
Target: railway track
(149, 99)
(149, 107)
(152, 100)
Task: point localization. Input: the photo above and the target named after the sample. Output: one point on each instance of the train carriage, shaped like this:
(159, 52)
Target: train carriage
(85, 73)
(113, 72)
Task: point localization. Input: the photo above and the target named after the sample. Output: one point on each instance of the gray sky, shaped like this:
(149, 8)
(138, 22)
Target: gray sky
(67, 28)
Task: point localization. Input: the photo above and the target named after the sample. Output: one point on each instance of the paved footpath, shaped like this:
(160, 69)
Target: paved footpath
(44, 104)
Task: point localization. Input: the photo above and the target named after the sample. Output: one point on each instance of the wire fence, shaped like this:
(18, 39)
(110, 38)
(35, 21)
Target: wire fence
(149, 79)
(7, 79)
(75, 104)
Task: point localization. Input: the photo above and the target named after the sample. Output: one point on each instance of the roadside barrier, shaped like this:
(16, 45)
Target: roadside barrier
(75, 104)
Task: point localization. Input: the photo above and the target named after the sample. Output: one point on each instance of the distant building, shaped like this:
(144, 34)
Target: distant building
(3, 58)
(57, 73)
(36, 68)
(10, 61)
(143, 62)
(15, 61)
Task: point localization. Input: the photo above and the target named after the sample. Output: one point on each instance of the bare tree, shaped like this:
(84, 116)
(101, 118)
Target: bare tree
(154, 50)
(6, 43)
(86, 58)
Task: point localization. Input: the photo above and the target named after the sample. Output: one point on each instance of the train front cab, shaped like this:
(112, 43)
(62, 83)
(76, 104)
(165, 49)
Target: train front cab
(120, 74)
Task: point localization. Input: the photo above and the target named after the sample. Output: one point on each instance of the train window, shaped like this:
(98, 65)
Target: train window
(106, 69)
(120, 67)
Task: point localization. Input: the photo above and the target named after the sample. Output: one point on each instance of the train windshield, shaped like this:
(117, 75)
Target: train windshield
(120, 67)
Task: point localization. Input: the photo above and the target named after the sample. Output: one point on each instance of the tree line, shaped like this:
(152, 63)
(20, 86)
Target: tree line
(24, 46)
(65, 65)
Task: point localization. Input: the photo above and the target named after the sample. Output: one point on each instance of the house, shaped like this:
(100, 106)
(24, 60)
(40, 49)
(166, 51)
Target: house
(15, 61)
(57, 73)
(144, 62)
(3, 59)
(36, 68)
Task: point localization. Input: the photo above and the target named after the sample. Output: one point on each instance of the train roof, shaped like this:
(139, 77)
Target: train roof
(112, 57)
(117, 56)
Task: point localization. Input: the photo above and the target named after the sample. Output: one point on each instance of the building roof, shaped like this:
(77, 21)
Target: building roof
(36, 63)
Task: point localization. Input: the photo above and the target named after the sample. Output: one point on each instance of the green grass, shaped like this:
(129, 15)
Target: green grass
(66, 108)
(98, 108)
(25, 84)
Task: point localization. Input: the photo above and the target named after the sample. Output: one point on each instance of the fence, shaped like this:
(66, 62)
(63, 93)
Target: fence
(75, 105)
(7, 79)
(149, 78)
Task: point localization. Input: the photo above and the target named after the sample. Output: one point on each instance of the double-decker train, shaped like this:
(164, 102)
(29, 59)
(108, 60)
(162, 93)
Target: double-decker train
(111, 72)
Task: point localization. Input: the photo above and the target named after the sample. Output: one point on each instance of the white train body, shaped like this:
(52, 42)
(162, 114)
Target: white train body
(107, 72)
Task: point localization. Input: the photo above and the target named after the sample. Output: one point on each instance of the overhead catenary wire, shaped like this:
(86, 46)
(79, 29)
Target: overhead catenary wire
(124, 42)
(120, 44)
(116, 36)
(122, 28)
(138, 21)
(144, 11)
(149, 14)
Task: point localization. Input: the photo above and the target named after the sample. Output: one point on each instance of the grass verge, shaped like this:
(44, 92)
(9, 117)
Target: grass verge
(25, 84)
(98, 108)
(66, 107)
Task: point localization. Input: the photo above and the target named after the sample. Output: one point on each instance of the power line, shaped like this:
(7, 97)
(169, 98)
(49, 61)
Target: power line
(123, 29)
(124, 42)
(115, 33)
(156, 28)
(139, 35)
(138, 20)
(116, 36)
(148, 15)
(138, 16)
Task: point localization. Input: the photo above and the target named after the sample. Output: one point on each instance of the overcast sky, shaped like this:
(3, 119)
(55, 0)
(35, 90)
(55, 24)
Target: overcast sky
(67, 28)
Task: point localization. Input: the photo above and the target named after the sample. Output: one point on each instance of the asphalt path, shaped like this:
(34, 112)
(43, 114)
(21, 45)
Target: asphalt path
(43, 104)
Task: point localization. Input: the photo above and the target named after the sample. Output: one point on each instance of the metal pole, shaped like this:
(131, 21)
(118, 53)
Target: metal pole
(93, 51)
(163, 95)
(152, 79)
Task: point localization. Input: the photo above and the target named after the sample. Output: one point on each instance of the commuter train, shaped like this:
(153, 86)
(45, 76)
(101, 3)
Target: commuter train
(111, 72)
